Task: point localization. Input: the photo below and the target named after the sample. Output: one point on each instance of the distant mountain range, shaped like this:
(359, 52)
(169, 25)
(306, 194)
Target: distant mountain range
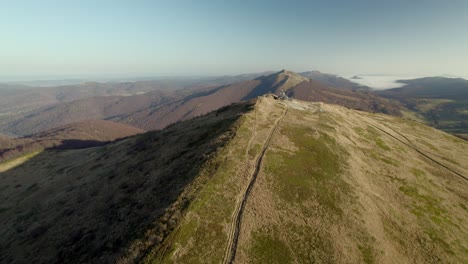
(431, 88)
(138, 105)
(438, 101)
(156, 104)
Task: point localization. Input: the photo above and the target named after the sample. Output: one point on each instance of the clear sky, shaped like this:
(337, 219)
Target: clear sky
(156, 38)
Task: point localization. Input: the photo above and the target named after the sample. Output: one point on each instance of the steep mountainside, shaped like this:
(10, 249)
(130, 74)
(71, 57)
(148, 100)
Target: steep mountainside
(282, 181)
(440, 102)
(93, 205)
(72, 136)
(293, 84)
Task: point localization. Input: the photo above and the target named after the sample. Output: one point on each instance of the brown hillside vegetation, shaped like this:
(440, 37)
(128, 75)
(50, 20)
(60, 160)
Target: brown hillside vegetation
(275, 182)
(72, 136)
(157, 109)
(101, 107)
(294, 84)
(26, 110)
(6, 142)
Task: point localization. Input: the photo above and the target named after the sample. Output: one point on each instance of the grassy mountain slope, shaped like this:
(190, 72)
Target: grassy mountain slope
(437, 101)
(333, 185)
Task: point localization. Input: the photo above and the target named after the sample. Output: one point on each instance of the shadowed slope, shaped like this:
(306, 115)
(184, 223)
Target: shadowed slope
(103, 204)
(72, 136)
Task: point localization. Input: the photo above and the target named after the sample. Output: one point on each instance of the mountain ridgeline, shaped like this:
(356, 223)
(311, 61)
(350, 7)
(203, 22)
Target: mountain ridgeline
(159, 108)
(293, 84)
(261, 181)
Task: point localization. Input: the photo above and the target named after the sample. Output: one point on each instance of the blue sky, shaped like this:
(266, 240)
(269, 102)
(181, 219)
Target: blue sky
(155, 38)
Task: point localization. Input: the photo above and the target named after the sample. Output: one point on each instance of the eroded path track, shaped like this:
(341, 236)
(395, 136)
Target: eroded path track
(410, 144)
(233, 235)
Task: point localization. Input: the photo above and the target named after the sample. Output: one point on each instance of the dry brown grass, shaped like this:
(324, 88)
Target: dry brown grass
(335, 189)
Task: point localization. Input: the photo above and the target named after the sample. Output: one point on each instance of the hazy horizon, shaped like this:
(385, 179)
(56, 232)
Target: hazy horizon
(375, 81)
(122, 39)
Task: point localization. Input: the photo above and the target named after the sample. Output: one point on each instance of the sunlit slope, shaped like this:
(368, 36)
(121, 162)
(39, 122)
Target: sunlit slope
(334, 185)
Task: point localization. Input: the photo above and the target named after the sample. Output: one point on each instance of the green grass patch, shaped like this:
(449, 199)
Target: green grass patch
(385, 159)
(267, 248)
(381, 144)
(310, 245)
(436, 238)
(371, 134)
(425, 206)
(367, 253)
(417, 172)
(312, 172)
(463, 206)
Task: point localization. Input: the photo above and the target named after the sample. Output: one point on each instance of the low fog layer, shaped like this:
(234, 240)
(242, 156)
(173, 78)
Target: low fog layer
(379, 82)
